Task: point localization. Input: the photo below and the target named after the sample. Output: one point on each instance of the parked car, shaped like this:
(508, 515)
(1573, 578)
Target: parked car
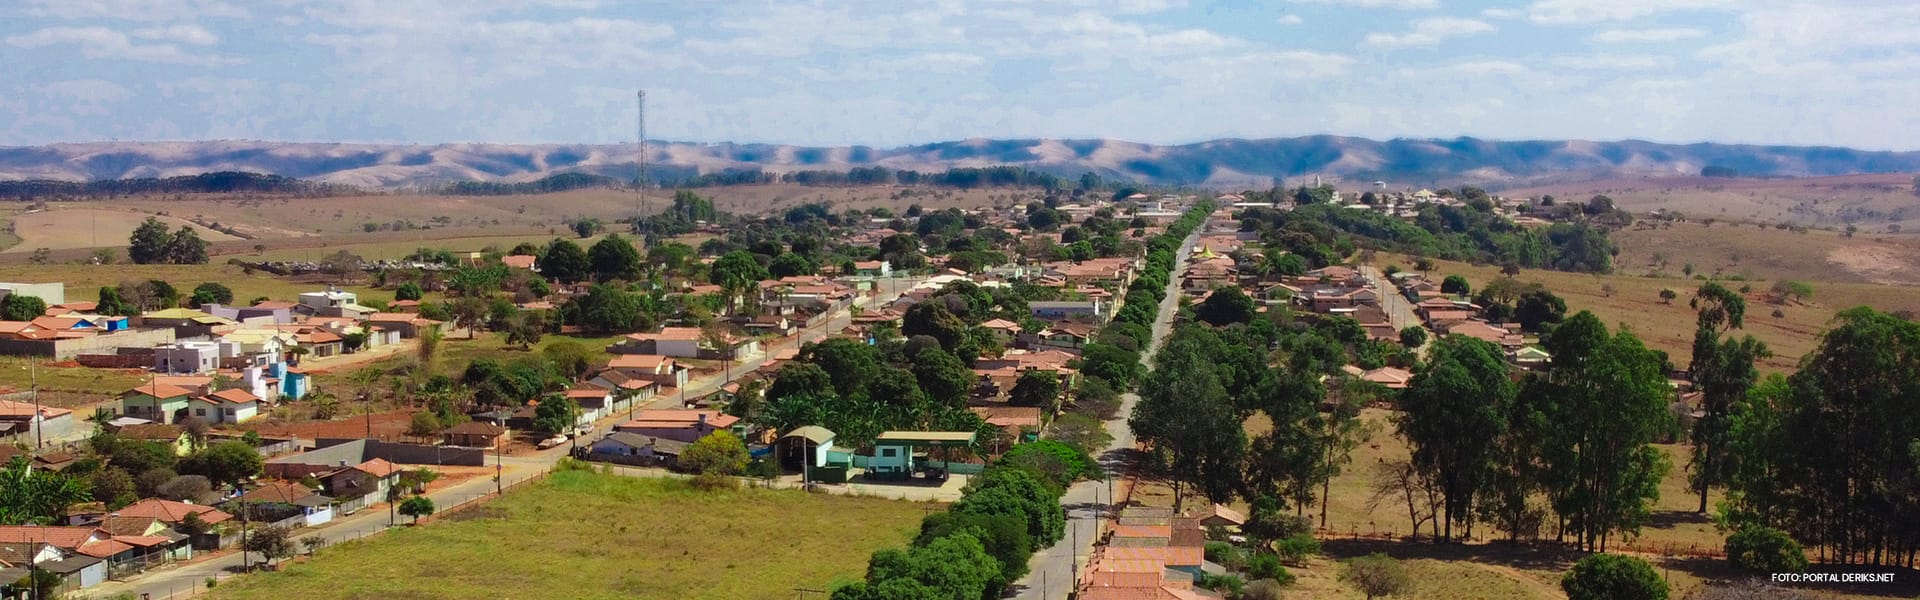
(551, 442)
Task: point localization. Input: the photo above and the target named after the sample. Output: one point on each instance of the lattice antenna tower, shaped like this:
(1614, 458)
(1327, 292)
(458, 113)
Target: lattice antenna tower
(640, 183)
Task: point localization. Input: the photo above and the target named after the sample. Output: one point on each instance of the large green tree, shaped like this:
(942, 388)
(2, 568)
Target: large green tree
(564, 261)
(613, 257)
(1608, 397)
(149, 242)
(1453, 415)
(1723, 371)
(1189, 421)
(30, 496)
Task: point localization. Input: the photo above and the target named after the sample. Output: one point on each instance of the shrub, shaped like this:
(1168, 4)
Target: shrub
(1265, 565)
(1377, 575)
(1296, 548)
(1227, 555)
(1231, 584)
(1766, 550)
(1613, 577)
(1263, 589)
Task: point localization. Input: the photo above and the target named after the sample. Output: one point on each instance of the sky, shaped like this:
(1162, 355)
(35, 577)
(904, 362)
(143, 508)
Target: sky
(886, 73)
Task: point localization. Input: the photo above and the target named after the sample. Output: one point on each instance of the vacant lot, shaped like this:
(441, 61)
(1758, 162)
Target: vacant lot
(585, 535)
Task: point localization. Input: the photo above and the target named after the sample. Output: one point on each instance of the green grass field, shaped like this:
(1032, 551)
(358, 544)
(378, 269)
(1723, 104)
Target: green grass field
(586, 535)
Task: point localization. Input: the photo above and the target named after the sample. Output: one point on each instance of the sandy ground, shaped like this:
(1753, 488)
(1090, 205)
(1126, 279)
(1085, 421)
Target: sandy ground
(89, 227)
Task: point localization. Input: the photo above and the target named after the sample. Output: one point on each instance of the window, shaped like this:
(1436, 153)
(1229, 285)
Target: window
(200, 412)
(889, 452)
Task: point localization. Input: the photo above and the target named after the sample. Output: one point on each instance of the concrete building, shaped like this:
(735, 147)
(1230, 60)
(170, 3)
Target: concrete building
(50, 293)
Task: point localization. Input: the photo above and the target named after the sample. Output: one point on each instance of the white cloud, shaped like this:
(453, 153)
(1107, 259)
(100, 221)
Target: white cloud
(134, 10)
(1289, 20)
(1609, 62)
(1428, 32)
(104, 43)
(183, 33)
(1645, 36)
(1573, 12)
(95, 90)
(1502, 13)
(1397, 4)
(1469, 68)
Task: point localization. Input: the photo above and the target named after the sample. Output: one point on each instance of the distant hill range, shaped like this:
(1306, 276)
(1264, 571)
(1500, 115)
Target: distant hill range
(1227, 163)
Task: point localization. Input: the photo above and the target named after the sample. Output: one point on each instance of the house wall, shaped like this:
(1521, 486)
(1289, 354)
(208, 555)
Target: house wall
(678, 348)
(93, 575)
(50, 293)
(189, 360)
(94, 344)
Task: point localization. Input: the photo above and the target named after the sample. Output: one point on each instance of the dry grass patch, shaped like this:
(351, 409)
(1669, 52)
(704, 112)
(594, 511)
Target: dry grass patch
(588, 535)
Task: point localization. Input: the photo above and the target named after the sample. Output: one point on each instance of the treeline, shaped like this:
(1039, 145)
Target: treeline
(559, 182)
(981, 544)
(205, 183)
(1323, 233)
(961, 177)
(1114, 355)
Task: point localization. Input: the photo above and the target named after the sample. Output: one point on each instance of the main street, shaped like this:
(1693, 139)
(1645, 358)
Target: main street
(189, 579)
(1052, 572)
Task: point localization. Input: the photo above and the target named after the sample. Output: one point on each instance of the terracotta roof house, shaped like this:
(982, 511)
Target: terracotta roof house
(474, 434)
(520, 261)
(173, 513)
(678, 425)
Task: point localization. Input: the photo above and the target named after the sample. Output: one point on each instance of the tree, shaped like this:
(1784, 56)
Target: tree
(21, 307)
(1188, 419)
(1452, 418)
(1795, 291)
(1537, 308)
(1723, 371)
(606, 309)
(1376, 575)
(1413, 336)
(1765, 550)
(224, 463)
(1016, 492)
(955, 566)
(790, 264)
(1605, 397)
(1226, 306)
(186, 248)
(933, 319)
(1111, 364)
(416, 507)
(525, 328)
(1004, 537)
(149, 242)
(313, 543)
(716, 456)
(423, 424)
(945, 379)
(1667, 295)
(1613, 577)
(556, 414)
(274, 543)
(110, 302)
(31, 496)
(211, 292)
(737, 272)
(584, 227)
(1455, 284)
(1084, 432)
(408, 291)
(564, 261)
(613, 257)
(468, 313)
(1097, 398)
(1828, 454)
(1036, 388)
(113, 486)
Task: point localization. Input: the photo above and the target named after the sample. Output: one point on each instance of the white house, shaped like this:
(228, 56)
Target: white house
(190, 357)
(225, 406)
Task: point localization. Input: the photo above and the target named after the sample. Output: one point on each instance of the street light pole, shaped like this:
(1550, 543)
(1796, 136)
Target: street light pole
(246, 563)
(39, 421)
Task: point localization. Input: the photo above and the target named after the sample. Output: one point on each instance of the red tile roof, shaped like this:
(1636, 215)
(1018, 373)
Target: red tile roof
(172, 512)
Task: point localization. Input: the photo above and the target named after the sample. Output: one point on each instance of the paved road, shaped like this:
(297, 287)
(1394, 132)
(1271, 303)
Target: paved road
(1052, 572)
(1399, 311)
(187, 580)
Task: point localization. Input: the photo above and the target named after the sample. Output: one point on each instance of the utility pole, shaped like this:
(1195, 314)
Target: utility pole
(499, 469)
(640, 181)
(39, 421)
(246, 562)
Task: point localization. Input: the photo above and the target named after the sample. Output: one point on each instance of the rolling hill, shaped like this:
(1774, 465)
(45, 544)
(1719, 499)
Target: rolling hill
(1227, 163)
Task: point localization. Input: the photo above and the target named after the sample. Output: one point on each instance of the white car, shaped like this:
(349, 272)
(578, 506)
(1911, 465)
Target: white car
(551, 442)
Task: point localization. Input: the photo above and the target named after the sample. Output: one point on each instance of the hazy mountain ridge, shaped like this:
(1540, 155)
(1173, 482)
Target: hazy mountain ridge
(1224, 162)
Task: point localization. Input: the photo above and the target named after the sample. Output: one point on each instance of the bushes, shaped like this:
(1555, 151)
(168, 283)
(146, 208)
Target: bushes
(1296, 548)
(1231, 584)
(1266, 565)
(976, 548)
(1766, 550)
(1613, 577)
(1376, 575)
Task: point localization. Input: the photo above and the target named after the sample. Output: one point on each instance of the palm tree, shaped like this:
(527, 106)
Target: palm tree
(28, 497)
(325, 405)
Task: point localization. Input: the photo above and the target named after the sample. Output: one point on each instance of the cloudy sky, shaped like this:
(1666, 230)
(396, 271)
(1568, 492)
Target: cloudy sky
(892, 72)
